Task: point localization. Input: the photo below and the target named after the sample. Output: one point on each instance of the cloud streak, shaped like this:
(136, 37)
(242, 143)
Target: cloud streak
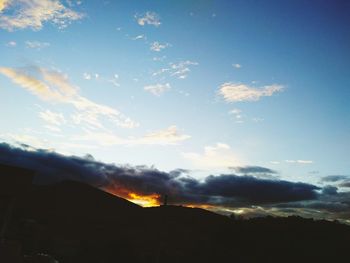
(236, 92)
(54, 87)
(168, 136)
(52, 118)
(36, 44)
(299, 161)
(157, 89)
(179, 70)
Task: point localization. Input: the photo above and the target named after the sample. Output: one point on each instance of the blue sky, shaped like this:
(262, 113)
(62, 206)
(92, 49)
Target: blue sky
(200, 85)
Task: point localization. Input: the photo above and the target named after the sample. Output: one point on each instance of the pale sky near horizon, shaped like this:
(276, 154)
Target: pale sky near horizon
(199, 85)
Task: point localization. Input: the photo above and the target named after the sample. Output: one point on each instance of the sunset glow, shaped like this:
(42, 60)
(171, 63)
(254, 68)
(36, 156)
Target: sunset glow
(144, 200)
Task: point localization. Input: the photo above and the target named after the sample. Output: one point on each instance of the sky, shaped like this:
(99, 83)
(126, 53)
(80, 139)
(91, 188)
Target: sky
(208, 87)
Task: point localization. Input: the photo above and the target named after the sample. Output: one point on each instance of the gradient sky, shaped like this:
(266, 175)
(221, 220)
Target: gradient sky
(200, 85)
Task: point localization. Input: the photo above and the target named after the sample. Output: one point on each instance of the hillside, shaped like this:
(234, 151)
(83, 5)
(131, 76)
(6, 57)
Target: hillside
(75, 223)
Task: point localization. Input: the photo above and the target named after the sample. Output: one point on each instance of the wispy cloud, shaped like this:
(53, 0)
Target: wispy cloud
(237, 113)
(168, 136)
(257, 119)
(11, 43)
(157, 89)
(218, 156)
(54, 87)
(36, 44)
(87, 76)
(52, 118)
(237, 65)
(182, 68)
(149, 18)
(97, 77)
(159, 58)
(139, 37)
(171, 135)
(299, 161)
(232, 92)
(179, 70)
(114, 80)
(33, 14)
(156, 46)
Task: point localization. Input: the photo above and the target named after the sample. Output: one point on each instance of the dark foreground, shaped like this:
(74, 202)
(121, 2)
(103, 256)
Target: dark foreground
(71, 222)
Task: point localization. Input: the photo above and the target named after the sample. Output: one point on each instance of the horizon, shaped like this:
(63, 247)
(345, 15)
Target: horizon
(240, 106)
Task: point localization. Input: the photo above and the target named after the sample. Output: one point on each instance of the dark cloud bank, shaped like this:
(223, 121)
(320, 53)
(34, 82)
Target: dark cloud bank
(225, 190)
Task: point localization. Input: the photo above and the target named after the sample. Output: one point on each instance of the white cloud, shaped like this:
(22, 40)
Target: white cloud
(54, 87)
(149, 18)
(236, 65)
(171, 135)
(256, 119)
(299, 161)
(168, 136)
(184, 93)
(161, 71)
(33, 14)
(97, 77)
(157, 89)
(11, 43)
(218, 156)
(86, 76)
(52, 118)
(240, 92)
(156, 46)
(139, 37)
(73, 3)
(179, 70)
(89, 76)
(36, 44)
(114, 82)
(159, 58)
(237, 113)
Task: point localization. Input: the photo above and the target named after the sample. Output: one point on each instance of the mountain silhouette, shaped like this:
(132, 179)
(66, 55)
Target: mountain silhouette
(73, 222)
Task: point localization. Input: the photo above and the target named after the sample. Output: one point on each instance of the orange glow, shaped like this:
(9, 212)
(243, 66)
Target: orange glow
(144, 200)
(150, 199)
